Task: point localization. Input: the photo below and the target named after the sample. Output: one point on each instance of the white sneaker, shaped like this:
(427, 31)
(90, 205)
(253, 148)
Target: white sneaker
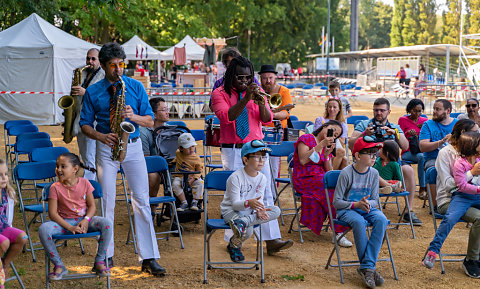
(343, 242)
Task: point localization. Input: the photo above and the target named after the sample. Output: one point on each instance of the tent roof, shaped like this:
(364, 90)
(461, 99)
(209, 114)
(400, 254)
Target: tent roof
(416, 50)
(193, 50)
(35, 32)
(133, 49)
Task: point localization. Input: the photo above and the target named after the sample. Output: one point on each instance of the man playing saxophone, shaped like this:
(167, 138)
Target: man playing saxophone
(100, 105)
(86, 145)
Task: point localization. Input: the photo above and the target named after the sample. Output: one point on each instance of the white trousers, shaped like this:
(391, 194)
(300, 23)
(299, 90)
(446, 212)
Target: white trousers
(87, 150)
(232, 161)
(136, 173)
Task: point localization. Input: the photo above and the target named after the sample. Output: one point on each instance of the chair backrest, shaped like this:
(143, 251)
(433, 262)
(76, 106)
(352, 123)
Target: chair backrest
(431, 176)
(32, 135)
(217, 180)
(156, 164)
(97, 193)
(354, 118)
(10, 123)
(290, 160)
(330, 179)
(176, 122)
(198, 134)
(19, 129)
(293, 118)
(35, 171)
(27, 146)
(455, 114)
(47, 153)
(301, 124)
(284, 149)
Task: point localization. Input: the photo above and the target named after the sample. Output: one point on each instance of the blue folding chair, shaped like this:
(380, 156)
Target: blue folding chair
(301, 124)
(157, 164)
(293, 118)
(431, 179)
(26, 146)
(32, 172)
(15, 131)
(47, 153)
(455, 114)
(283, 149)
(355, 118)
(217, 181)
(6, 127)
(98, 195)
(199, 135)
(15, 276)
(212, 131)
(330, 182)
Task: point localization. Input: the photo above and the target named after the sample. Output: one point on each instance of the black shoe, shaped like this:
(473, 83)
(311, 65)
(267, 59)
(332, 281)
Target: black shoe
(415, 221)
(151, 266)
(110, 262)
(471, 268)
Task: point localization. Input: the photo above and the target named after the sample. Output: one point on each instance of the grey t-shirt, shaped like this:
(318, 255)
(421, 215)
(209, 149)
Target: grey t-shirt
(360, 184)
(148, 144)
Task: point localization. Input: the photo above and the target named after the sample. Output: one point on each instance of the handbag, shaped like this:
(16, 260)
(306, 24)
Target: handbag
(413, 145)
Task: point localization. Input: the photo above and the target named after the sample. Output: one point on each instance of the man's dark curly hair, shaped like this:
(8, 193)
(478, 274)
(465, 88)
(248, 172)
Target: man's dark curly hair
(109, 51)
(232, 70)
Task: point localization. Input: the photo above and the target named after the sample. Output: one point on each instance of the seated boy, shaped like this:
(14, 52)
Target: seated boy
(242, 206)
(356, 201)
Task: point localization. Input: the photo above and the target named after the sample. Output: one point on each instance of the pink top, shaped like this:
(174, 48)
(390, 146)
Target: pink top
(221, 103)
(462, 166)
(71, 201)
(407, 124)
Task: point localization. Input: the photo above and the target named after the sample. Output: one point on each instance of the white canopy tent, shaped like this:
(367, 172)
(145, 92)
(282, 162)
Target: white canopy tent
(193, 50)
(137, 49)
(36, 56)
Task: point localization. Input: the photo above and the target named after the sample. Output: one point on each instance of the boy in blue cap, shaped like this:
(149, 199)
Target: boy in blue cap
(242, 206)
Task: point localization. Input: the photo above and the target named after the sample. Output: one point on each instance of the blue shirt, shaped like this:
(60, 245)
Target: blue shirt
(435, 131)
(96, 104)
(362, 126)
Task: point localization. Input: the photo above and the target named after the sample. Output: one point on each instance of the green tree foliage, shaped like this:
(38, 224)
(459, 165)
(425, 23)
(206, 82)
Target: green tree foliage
(14, 11)
(396, 37)
(413, 22)
(451, 23)
(375, 19)
(426, 21)
(474, 20)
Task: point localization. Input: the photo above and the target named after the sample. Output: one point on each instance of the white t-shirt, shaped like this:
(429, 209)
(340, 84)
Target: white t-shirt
(242, 187)
(408, 73)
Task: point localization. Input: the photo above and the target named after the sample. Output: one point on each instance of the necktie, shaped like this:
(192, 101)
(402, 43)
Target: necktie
(112, 90)
(241, 123)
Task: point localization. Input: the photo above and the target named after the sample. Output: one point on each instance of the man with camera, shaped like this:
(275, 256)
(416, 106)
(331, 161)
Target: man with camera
(379, 129)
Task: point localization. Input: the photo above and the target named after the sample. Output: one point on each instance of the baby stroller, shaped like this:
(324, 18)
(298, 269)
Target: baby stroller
(166, 145)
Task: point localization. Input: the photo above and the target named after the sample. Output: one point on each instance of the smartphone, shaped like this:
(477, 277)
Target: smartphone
(330, 132)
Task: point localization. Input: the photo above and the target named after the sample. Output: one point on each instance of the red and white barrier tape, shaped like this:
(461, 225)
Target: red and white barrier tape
(179, 93)
(30, 92)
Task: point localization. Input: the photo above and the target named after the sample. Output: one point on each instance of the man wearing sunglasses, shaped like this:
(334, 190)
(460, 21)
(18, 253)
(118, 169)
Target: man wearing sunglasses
(472, 111)
(241, 113)
(86, 145)
(99, 105)
(379, 126)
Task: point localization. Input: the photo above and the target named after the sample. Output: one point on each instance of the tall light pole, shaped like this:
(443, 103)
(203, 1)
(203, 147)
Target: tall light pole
(328, 47)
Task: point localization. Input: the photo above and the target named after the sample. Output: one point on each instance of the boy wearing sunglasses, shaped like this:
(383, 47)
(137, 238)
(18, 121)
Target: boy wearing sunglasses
(356, 201)
(242, 206)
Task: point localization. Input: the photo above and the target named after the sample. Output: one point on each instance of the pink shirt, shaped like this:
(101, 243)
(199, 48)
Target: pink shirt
(71, 201)
(407, 124)
(462, 166)
(221, 103)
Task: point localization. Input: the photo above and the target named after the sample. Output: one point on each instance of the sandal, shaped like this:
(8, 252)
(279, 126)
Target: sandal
(105, 271)
(57, 276)
(235, 254)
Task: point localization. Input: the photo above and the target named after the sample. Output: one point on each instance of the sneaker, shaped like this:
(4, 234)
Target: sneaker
(238, 227)
(429, 259)
(379, 279)
(343, 242)
(194, 205)
(368, 276)
(415, 220)
(385, 190)
(471, 268)
(182, 207)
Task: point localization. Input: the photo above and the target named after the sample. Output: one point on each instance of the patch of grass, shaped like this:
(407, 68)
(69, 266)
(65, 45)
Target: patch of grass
(21, 271)
(294, 277)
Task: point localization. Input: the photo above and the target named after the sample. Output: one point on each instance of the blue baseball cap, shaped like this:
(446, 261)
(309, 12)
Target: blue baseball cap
(253, 147)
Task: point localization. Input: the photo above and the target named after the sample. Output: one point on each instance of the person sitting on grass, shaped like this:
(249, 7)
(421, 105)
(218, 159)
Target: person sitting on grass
(242, 206)
(356, 201)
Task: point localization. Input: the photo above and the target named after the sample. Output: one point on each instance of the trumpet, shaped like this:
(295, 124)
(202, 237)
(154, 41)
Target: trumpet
(274, 100)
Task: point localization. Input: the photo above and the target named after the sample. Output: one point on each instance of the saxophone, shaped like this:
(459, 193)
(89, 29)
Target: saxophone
(122, 128)
(69, 106)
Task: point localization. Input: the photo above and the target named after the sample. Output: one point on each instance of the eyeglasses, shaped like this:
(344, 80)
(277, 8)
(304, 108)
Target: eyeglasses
(243, 77)
(259, 158)
(119, 65)
(91, 58)
(256, 143)
(473, 105)
(379, 110)
(371, 155)
(163, 110)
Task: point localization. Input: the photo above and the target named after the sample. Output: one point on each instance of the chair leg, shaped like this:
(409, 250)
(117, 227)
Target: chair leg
(47, 271)
(407, 206)
(81, 246)
(179, 230)
(32, 249)
(391, 255)
(20, 282)
(262, 273)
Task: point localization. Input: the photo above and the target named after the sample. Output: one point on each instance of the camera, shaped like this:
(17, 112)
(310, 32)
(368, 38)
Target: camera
(378, 131)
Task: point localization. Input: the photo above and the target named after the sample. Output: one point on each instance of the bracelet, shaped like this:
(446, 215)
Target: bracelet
(87, 218)
(246, 204)
(364, 133)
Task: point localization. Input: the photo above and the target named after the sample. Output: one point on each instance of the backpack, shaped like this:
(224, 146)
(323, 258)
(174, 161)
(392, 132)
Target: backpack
(403, 74)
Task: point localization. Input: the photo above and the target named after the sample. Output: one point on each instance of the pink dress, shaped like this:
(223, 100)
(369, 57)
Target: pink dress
(308, 181)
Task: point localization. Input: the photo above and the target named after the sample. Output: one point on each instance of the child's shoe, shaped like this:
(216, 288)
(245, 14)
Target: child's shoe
(429, 259)
(385, 190)
(235, 254)
(182, 207)
(396, 186)
(343, 242)
(238, 227)
(194, 205)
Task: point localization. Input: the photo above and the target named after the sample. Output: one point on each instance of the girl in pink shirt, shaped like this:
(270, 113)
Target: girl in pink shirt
(71, 208)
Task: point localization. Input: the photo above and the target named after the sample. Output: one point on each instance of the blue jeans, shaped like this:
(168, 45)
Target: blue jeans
(420, 161)
(459, 205)
(367, 249)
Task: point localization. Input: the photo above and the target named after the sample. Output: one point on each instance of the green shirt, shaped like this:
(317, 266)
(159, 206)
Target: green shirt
(390, 171)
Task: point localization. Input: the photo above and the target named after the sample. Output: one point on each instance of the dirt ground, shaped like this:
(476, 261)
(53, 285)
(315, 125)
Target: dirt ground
(185, 267)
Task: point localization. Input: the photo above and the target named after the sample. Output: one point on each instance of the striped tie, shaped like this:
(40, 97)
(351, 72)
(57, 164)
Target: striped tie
(241, 123)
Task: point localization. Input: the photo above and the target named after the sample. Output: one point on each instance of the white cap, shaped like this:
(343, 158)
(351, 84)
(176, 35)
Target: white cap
(186, 140)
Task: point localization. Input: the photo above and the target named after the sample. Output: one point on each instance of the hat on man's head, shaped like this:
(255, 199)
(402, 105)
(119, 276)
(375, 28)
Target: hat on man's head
(267, 68)
(253, 147)
(186, 140)
(361, 144)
